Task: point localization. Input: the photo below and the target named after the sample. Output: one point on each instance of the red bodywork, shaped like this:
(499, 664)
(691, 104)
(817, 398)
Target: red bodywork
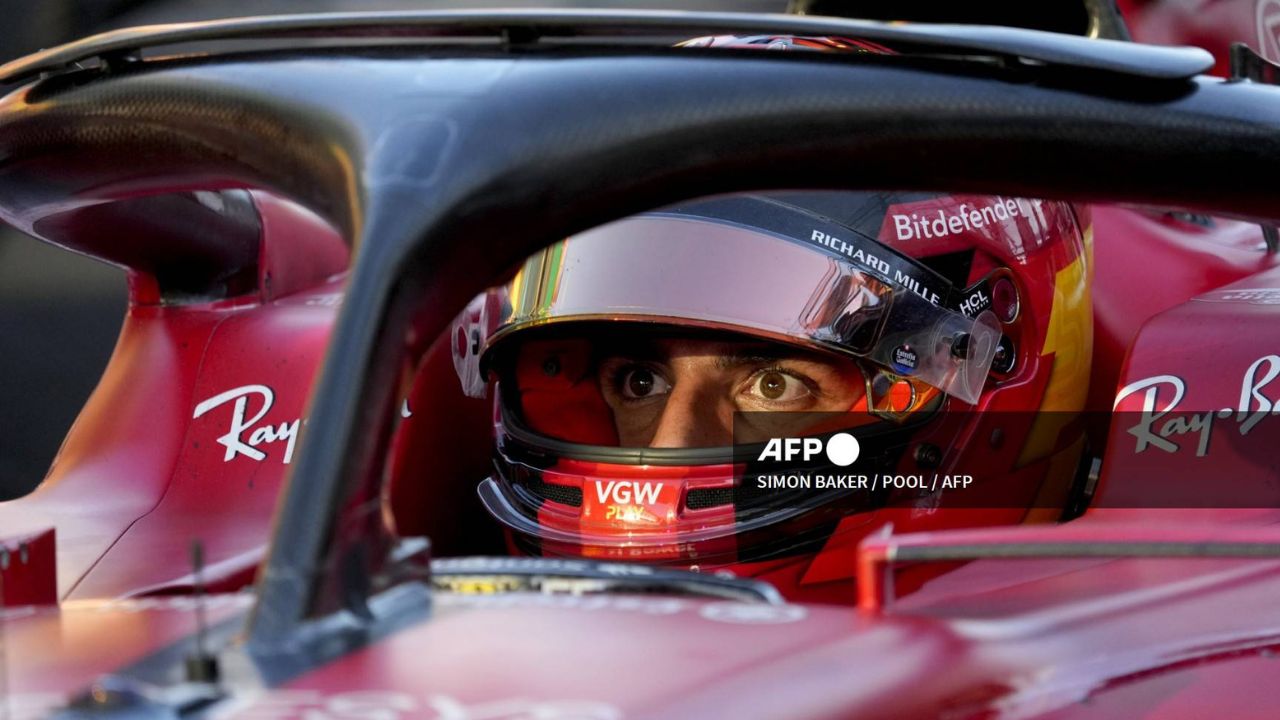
(1016, 638)
(175, 477)
(158, 475)
(1211, 24)
(162, 455)
(1029, 638)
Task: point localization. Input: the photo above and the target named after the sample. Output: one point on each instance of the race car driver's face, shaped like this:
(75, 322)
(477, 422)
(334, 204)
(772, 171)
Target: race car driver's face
(684, 392)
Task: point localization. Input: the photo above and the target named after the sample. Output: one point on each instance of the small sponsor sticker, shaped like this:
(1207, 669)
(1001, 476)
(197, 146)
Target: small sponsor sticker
(905, 360)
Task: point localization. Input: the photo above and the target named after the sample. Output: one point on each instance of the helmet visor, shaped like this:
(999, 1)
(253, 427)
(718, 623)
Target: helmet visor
(696, 273)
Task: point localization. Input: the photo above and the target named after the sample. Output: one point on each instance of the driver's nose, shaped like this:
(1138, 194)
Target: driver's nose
(693, 417)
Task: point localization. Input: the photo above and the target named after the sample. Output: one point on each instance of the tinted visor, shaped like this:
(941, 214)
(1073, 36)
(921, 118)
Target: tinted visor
(704, 274)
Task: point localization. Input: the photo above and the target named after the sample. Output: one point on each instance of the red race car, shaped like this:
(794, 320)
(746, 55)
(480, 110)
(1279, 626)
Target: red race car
(554, 364)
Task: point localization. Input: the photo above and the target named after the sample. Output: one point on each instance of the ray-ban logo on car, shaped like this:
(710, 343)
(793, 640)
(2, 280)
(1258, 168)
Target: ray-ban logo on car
(1157, 403)
(841, 449)
(245, 435)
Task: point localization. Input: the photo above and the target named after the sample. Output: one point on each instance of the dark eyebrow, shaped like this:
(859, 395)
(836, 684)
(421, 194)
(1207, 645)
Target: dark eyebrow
(635, 348)
(647, 349)
(754, 355)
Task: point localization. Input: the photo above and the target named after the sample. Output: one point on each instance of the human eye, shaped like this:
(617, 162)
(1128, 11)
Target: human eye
(641, 382)
(776, 386)
(634, 382)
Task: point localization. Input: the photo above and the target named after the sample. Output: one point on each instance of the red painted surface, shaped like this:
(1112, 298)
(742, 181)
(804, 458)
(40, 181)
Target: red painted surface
(1213, 353)
(1026, 638)
(299, 249)
(1210, 24)
(28, 571)
(431, 490)
(222, 494)
(1146, 263)
(1014, 638)
(139, 476)
(170, 480)
(53, 654)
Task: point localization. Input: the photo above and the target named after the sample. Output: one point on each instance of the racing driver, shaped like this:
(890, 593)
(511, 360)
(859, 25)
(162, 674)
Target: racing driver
(644, 371)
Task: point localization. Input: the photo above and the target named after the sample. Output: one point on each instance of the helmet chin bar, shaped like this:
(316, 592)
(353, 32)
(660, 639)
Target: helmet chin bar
(721, 543)
(698, 508)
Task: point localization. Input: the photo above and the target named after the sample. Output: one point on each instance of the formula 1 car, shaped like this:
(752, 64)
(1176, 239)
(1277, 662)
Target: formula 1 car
(305, 218)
